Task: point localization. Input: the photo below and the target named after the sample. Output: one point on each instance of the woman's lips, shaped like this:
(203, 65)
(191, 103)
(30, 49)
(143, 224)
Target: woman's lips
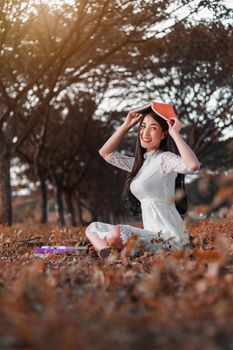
(146, 140)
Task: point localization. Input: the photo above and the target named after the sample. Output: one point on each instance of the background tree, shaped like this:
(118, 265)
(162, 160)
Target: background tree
(49, 55)
(192, 68)
(46, 50)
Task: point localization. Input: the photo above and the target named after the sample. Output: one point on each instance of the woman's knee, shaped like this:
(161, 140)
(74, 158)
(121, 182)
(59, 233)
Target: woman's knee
(90, 229)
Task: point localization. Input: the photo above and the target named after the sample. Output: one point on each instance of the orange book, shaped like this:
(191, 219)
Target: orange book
(164, 110)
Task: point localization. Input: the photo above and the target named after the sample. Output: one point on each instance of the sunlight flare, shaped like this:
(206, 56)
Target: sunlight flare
(53, 3)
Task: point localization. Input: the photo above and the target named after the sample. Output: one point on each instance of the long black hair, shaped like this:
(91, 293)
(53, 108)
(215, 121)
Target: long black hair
(167, 144)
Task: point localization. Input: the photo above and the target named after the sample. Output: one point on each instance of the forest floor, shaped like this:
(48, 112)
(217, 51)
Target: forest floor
(155, 301)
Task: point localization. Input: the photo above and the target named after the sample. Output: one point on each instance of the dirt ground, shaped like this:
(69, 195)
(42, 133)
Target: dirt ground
(155, 301)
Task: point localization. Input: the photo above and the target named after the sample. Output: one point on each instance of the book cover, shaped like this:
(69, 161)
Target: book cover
(164, 110)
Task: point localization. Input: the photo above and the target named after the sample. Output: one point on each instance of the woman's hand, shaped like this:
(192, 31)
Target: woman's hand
(174, 126)
(132, 119)
(187, 155)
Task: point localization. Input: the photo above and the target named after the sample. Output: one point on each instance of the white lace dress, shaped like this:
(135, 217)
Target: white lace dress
(154, 187)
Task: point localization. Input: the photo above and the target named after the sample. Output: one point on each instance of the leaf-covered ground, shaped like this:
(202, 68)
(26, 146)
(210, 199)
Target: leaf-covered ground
(160, 301)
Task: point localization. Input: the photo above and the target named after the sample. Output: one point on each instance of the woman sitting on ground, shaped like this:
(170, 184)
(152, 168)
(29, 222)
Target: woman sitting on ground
(162, 157)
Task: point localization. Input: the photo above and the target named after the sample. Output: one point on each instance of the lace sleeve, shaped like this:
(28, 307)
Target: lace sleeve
(120, 160)
(171, 162)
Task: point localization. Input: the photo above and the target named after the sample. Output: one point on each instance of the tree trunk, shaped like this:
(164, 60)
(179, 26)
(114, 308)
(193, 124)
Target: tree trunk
(70, 208)
(5, 189)
(59, 192)
(79, 210)
(44, 200)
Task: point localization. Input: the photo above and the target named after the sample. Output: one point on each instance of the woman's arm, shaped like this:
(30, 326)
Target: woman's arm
(113, 142)
(188, 156)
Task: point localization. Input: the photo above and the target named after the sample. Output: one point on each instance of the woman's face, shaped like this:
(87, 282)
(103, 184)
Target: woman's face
(151, 133)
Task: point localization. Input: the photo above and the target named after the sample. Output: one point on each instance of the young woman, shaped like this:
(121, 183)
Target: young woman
(154, 174)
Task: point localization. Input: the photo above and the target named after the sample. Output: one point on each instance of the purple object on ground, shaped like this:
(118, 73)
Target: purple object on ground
(58, 250)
